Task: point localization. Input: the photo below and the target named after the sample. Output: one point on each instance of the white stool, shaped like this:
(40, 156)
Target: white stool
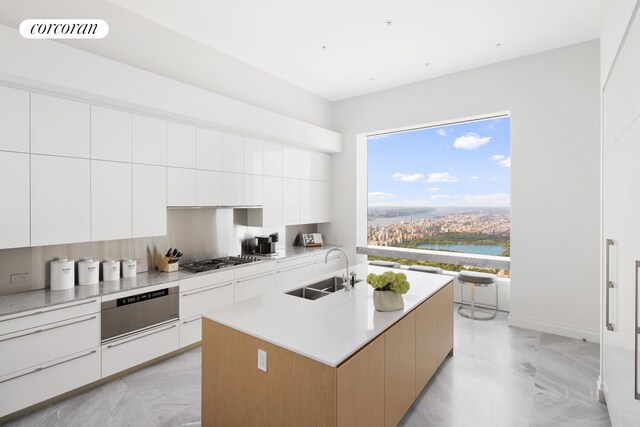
(476, 279)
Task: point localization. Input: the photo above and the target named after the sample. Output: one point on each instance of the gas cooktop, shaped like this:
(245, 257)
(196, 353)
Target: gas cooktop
(217, 263)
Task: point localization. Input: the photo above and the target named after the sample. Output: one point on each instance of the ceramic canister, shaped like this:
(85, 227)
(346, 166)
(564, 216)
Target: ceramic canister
(88, 272)
(129, 268)
(110, 271)
(63, 275)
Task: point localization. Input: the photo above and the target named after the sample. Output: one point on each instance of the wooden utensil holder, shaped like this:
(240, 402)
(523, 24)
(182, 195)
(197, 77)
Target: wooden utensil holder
(164, 265)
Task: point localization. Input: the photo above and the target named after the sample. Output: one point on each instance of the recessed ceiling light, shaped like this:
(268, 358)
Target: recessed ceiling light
(498, 44)
(388, 22)
(427, 64)
(370, 78)
(324, 47)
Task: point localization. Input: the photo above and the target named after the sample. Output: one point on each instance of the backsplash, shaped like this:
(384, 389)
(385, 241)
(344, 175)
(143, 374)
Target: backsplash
(198, 233)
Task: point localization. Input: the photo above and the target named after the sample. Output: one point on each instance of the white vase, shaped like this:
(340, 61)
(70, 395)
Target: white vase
(387, 301)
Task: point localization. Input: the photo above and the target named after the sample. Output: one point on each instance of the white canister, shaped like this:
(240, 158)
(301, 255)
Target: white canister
(63, 275)
(110, 271)
(129, 268)
(88, 272)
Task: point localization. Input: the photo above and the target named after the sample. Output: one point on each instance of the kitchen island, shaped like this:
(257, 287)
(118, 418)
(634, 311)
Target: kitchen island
(278, 359)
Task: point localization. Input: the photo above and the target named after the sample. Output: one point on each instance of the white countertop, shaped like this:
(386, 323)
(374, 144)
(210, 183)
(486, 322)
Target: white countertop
(329, 329)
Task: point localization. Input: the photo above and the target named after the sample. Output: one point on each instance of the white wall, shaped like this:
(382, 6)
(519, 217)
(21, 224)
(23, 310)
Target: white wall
(554, 100)
(614, 18)
(58, 68)
(139, 42)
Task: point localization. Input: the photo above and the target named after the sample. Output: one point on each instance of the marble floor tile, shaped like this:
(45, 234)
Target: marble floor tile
(498, 376)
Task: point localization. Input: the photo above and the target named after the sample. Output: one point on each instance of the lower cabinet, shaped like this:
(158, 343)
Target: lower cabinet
(426, 342)
(190, 331)
(133, 350)
(444, 300)
(252, 286)
(399, 369)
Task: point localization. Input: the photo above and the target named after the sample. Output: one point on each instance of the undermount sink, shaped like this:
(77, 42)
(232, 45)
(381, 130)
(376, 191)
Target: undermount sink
(319, 289)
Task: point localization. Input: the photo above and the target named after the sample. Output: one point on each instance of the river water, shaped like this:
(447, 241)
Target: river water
(468, 249)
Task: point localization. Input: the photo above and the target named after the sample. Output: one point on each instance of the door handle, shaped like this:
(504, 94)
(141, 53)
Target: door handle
(609, 285)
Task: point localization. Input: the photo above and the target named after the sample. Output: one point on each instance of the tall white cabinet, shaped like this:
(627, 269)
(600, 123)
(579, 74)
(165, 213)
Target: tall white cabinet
(621, 233)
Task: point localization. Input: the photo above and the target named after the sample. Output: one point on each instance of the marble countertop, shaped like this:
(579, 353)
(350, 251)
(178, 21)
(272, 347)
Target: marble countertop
(329, 329)
(32, 300)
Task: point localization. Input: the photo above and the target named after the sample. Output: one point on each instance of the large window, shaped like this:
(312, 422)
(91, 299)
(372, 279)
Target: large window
(442, 188)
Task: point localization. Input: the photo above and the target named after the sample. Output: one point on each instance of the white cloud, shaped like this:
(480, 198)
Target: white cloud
(441, 132)
(378, 195)
(505, 163)
(475, 178)
(494, 178)
(497, 157)
(406, 177)
(441, 177)
(471, 141)
(495, 199)
(432, 189)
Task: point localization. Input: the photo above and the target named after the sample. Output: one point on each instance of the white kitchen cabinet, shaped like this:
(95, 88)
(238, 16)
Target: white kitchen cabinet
(322, 212)
(149, 200)
(291, 204)
(60, 126)
(136, 349)
(306, 164)
(232, 153)
(253, 156)
(294, 273)
(149, 140)
(271, 214)
(111, 184)
(208, 149)
(181, 187)
(209, 188)
(321, 166)
(36, 384)
(198, 301)
(249, 287)
(60, 200)
(181, 145)
(232, 192)
(252, 190)
(271, 159)
(190, 331)
(291, 162)
(14, 209)
(110, 134)
(307, 201)
(14, 119)
(335, 265)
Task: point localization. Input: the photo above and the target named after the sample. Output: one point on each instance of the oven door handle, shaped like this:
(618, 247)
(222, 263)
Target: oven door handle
(142, 336)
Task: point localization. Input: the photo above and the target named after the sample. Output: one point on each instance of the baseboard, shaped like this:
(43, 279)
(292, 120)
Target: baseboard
(554, 328)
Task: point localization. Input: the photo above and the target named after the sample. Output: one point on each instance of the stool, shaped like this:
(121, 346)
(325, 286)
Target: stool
(481, 280)
(389, 264)
(426, 269)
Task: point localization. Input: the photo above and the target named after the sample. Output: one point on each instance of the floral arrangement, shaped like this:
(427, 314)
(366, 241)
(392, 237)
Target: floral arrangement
(389, 281)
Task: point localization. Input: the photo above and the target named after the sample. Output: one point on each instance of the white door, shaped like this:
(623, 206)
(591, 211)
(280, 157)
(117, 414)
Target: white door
(60, 126)
(307, 201)
(60, 200)
(149, 140)
(110, 134)
(209, 188)
(252, 190)
(181, 145)
(252, 156)
(14, 119)
(181, 187)
(272, 212)
(232, 153)
(14, 209)
(149, 200)
(291, 159)
(271, 159)
(232, 192)
(323, 201)
(291, 204)
(208, 149)
(110, 200)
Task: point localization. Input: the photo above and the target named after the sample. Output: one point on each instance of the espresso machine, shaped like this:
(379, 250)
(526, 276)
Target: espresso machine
(266, 245)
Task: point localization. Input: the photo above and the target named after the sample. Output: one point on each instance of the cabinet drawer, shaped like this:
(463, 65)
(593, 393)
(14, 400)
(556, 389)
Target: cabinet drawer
(206, 280)
(196, 302)
(31, 319)
(290, 262)
(292, 277)
(22, 389)
(190, 331)
(254, 269)
(139, 348)
(35, 346)
(255, 285)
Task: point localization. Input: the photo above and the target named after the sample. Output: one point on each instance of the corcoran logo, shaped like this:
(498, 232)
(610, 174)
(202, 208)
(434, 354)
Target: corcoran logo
(64, 29)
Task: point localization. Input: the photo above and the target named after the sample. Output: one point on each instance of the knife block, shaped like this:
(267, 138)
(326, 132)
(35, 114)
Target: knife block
(164, 265)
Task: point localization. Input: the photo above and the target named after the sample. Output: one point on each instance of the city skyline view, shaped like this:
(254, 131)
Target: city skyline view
(464, 164)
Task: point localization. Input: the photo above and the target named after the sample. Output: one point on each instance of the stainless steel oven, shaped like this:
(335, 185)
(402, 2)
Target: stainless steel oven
(133, 312)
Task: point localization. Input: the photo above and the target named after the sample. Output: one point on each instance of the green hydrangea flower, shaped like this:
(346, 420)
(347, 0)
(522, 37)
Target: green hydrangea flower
(389, 281)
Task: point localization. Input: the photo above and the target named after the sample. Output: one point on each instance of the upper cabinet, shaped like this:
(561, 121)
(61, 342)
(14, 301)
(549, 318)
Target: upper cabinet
(271, 159)
(253, 156)
(149, 140)
(305, 158)
(149, 201)
(110, 134)
(110, 200)
(321, 166)
(60, 127)
(208, 149)
(291, 158)
(14, 119)
(232, 155)
(181, 145)
(14, 209)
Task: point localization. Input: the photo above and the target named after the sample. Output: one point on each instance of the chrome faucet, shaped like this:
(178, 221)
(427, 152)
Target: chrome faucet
(345, 277)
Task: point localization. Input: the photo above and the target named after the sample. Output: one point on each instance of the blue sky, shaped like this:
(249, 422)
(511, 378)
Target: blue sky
(466, 164)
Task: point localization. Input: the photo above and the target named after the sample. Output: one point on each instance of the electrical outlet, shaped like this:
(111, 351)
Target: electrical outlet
(17, 279)
(262, 360)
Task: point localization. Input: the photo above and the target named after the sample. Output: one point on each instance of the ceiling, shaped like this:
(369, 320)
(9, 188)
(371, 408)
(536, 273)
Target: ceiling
(340, 49)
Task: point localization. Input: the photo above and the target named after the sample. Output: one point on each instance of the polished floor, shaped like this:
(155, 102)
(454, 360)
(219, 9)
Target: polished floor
(498, 376)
